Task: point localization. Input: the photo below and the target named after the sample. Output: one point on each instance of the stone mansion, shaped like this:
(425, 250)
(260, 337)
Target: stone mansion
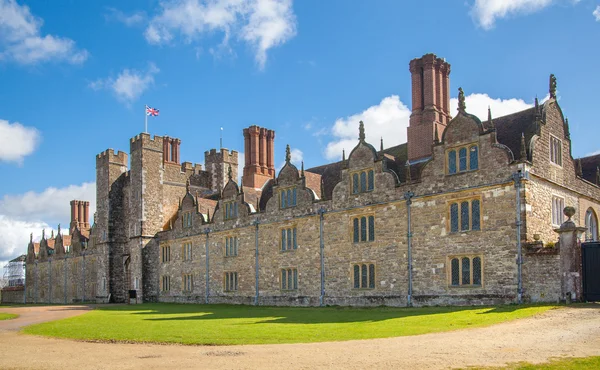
(463, 213)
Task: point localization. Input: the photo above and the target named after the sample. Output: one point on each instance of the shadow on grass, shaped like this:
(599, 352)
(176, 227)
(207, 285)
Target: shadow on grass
(296, 315)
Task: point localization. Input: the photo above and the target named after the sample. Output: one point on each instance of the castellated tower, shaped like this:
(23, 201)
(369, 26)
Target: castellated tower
(430, 104)
(111, 177)
(259, 155)
(218, 163)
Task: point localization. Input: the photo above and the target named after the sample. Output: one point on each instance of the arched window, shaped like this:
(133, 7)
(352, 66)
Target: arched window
(591, 222)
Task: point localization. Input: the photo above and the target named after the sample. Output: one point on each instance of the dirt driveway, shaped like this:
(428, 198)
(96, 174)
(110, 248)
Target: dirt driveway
(572, 331)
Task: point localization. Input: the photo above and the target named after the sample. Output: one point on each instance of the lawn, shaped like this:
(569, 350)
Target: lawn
(6, 316)
(229, 324)
(555, 364)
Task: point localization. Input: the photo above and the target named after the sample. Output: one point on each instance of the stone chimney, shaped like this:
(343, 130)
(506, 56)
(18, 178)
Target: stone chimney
(259, 166)
(430, 104)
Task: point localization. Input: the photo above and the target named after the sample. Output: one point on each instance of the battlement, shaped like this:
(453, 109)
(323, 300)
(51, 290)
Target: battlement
(144, 140)
(223, 155)
(191, 167)
(109, 156)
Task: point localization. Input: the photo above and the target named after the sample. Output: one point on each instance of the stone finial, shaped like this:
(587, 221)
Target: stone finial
(462, 106)
(343, 155)
(257, 205)
(31, 238)
(58, 229)
(436, 136)
(229, 173)
(361, 131)
(567, 133)
(288, 154)
(208, 215)
(381, 146)
(598, 176)
(490, 120)
(552, 89)
(302, 170)
(538, 111)
(569, 212)
(322, 188)
(52, 234)
(523, 147)
(197, 198)
(408, 177)
(43, 234)
(579, 169)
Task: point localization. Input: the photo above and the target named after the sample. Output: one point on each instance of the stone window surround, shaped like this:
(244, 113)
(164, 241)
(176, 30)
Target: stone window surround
(456, 148)
(294, 273)
(230, 281)
(459, 201)
(186, 255)
(187, 282)
(366, 171)
(293, 227)
(186, 219)
(360, 264)
(230, 205)
(470, 256)
(351, 228)
(557, 211)
(225, 243)
(559, 147)
(293, 192)
(165, 253)
(591, 222)
(165, 283)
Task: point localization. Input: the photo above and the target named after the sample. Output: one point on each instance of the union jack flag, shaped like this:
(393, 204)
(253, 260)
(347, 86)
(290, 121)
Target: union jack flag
(151, 111)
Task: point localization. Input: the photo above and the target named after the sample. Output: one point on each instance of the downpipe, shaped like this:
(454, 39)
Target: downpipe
(408, 196)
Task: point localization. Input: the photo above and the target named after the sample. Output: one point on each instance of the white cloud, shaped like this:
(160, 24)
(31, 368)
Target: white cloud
(32, 212)
(17, 141)
(22, 42)
(388, 119)
(486, 12)
(478, 104)
(596, 13)
(262, 24)
(129, 85)
(128, 20)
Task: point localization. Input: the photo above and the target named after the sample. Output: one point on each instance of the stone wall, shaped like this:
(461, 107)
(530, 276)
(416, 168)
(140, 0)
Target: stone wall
(12, 295)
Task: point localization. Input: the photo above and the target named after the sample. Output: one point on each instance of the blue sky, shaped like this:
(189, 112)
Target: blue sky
(75, 75)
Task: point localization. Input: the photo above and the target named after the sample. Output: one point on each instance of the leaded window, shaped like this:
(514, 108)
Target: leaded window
(555, 150)
(231, 246)
(465, 271)
(288, 198)
(289, 279)
(166, 253)
(288, 239)
(558, 204)
(465, 215)
(186, 251)
(187, 219)
(230, 281)
(591, 222)
(468, 159)
(231, 210)
(363, 276)
(363, 229)
(363, 181)
(187, 282)
(165, 283)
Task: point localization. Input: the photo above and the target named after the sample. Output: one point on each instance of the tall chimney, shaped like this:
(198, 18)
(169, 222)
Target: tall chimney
(80, 215)
(430, 104)
(258, 151)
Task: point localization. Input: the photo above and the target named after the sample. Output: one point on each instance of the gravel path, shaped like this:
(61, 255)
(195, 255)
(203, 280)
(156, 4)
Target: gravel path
(572, 331)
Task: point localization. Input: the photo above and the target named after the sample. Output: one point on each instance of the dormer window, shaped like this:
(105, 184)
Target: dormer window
(288, 198)
(231, 210)
(462, 159)
(187, 219)
(363, 181)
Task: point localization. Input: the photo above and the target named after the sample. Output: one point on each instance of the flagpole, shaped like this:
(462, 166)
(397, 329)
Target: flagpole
(146, 119)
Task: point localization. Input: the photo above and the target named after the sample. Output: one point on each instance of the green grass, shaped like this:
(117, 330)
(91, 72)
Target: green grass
(228, 324)
(7, 316)
(555, 364)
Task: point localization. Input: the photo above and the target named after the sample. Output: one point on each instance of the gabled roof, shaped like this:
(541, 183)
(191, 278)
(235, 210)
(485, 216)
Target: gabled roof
(510, 127)
(589, 166)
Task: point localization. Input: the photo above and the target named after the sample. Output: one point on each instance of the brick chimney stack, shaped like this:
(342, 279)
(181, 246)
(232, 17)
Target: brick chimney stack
(80, 215)
(259, 166)
(430, 104)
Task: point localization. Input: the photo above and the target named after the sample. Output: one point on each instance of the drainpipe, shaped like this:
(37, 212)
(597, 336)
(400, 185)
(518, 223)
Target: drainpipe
(207, 231)
(517, 177)
(256, 223)
(408, 196)
(65, 288)
(322, 256)
(83, 278)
